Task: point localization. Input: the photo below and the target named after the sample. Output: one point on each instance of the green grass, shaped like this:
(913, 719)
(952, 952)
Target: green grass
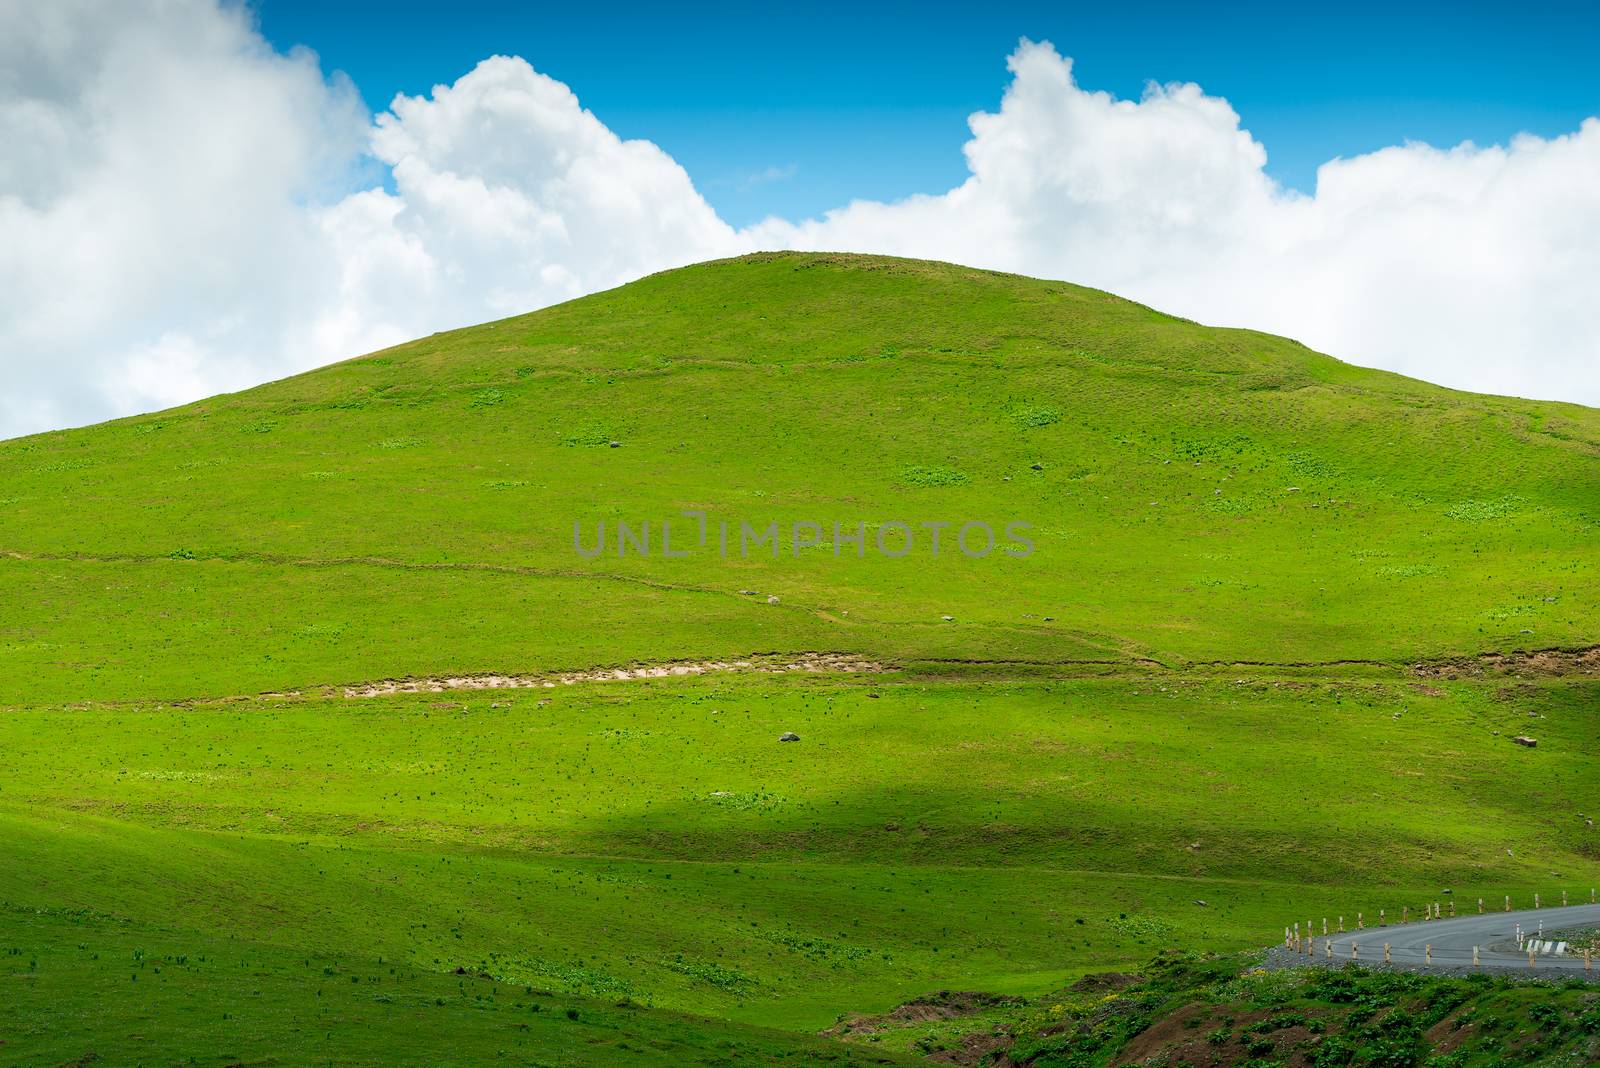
(1198, 688)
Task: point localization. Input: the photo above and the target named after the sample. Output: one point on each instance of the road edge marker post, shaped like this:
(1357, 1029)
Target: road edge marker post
(1480, 906)
(1474, 956)
(1508, 902)
(1427, 953)
(1386, 957)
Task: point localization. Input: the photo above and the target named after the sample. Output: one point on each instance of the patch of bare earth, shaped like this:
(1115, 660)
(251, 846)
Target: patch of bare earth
(940, 1005)
(848, 663)
(1182, 1037)
(1539, 663)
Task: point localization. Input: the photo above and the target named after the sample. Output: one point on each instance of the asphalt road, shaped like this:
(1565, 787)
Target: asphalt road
(1452, 939)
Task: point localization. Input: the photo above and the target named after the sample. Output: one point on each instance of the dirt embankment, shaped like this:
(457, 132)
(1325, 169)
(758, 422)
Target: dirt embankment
(1536, 664)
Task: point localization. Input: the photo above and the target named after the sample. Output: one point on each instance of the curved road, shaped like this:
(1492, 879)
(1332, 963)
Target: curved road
(1495, 933)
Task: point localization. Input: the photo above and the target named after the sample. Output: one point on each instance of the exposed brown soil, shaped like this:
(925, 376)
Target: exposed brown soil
(940, 1005)
(1538, 663)
(1105, 982)
(1181, 1037)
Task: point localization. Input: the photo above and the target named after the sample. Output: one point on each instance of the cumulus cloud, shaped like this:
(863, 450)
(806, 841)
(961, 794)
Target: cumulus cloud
(185, 213)
(1475, 267)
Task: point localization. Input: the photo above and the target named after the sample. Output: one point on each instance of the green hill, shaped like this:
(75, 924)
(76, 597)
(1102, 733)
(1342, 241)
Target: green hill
(1246, 662)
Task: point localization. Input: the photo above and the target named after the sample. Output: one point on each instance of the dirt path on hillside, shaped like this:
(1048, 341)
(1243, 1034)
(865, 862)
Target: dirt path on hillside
(769, 665)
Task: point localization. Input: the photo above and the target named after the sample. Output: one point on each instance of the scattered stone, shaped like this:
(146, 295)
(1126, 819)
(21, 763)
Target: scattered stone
(747, 593)
(947, 619)
(788, 736)
(1524, 740)
(615, 444)
(773, 599)
(1037, 467)
(1202, 904)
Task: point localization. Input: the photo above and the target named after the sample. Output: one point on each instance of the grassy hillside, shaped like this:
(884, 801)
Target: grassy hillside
(1244, 666)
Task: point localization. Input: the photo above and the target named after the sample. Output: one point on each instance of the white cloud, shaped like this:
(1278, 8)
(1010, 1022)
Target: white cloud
(1475, 267)
(181, 215)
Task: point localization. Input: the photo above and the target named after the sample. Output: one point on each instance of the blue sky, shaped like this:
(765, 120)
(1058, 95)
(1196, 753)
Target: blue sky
(792, 112)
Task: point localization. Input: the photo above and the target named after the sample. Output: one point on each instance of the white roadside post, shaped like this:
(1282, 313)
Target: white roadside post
(1341, 923)
(1427, 953)
(1386, 953)
(1474, 956)
(1508, 902)
(1480, 906)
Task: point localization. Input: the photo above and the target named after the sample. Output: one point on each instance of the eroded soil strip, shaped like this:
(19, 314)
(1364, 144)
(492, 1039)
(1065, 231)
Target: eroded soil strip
(771, 665)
